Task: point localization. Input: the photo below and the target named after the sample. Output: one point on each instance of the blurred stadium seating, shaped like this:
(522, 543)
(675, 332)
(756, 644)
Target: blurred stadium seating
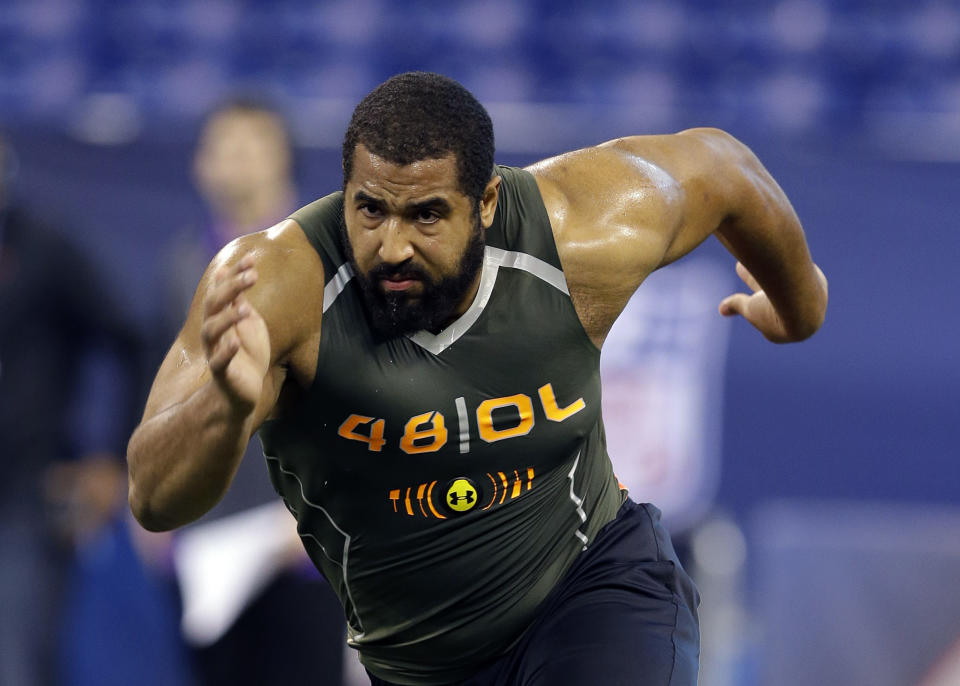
(853, 67)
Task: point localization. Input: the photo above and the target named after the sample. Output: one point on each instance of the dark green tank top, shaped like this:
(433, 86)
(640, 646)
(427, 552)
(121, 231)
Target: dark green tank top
(444, 483)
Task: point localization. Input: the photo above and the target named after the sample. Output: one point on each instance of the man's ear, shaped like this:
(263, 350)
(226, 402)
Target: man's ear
(488, 203)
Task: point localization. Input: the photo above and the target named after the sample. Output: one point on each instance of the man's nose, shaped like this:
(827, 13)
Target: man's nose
(395, 246)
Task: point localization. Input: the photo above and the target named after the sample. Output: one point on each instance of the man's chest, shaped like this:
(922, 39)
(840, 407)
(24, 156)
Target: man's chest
(496, 393)
(407, 430)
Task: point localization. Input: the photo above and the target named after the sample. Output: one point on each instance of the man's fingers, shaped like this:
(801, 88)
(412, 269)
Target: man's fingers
(747, 277)
(226, 348)
(733, 304)
(226, 270)
(228, 283)
(216, 325)
(225, 292)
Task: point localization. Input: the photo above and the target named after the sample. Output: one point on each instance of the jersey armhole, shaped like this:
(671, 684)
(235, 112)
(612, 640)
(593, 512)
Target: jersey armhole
(524, 204)
(320, 222)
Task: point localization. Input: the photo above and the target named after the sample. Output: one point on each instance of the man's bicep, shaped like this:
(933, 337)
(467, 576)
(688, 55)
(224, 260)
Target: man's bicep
(612, 212)
(185, 368)
(605, 185)
(287, 295)
(182, 372)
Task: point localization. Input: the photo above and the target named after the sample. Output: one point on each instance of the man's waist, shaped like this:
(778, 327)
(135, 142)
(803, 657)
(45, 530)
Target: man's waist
(440, 613)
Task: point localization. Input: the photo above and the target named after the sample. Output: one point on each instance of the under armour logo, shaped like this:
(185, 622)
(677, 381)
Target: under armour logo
(461, 495)
(467, 497)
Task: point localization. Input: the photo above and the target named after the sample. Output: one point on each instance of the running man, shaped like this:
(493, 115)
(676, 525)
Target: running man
(420, 353)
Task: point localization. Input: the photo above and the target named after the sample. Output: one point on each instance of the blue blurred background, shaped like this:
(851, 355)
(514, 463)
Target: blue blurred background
(839, 474)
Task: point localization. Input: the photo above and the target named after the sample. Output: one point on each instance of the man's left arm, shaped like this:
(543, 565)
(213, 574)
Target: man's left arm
(622, 209)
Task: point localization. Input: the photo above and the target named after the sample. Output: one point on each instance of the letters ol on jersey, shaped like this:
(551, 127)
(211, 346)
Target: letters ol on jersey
(427, 432)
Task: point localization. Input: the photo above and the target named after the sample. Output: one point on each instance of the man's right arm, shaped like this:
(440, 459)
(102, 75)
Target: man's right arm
(624, 208)
(219, 381)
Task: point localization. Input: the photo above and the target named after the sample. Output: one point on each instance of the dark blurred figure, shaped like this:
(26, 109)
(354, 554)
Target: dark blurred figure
(61, 480)
(292, 629)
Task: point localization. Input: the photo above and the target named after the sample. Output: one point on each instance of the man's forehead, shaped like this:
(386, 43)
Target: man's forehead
(372, 172)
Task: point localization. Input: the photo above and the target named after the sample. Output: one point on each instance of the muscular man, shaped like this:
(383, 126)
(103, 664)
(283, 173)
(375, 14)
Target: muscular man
(439, 438)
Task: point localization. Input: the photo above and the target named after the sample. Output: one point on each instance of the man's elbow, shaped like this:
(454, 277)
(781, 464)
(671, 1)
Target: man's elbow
(814, 323)
(142, 501)
(803, 330)
(815, 312)
(147, 516)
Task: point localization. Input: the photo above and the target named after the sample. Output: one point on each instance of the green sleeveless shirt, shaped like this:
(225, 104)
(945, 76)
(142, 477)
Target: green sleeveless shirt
(444, 483)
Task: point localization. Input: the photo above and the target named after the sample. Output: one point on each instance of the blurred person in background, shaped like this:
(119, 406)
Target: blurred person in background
(62, 474)
(281, 623)
(497, 549)
(243, 169)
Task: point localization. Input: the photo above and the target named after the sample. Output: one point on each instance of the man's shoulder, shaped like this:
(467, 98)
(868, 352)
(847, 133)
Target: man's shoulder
(327, 208)
(288, 293)
(290, 272)
(282, 250)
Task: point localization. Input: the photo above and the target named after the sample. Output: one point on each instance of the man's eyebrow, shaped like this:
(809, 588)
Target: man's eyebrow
(360, 196)
(435, 203)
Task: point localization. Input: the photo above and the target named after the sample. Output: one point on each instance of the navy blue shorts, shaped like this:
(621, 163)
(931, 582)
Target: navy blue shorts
(624, 615)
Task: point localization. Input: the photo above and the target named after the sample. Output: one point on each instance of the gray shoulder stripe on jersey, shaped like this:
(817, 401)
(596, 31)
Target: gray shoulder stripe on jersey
(532, 265)
(335, 286)
(499, 258)
(493, 259)
(436, 344)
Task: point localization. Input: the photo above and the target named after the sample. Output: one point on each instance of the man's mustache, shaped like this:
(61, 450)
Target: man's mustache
(402, 271)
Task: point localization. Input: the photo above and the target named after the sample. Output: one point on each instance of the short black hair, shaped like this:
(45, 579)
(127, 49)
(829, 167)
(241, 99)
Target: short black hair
(419, 115)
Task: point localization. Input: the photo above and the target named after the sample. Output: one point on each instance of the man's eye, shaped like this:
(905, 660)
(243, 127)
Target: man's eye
(369, 210)
(427, 217)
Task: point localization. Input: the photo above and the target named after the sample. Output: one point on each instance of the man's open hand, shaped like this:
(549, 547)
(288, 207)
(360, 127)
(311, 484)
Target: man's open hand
(235, 338)
(757, 309)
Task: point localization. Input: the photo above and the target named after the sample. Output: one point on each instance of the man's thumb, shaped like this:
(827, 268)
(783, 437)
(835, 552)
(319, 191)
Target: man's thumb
(733, 304)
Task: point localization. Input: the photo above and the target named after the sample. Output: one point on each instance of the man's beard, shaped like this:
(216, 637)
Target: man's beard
(395, 314)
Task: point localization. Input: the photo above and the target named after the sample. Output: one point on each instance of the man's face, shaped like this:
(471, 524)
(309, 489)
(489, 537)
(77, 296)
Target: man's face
(239, 152)
(415, 240)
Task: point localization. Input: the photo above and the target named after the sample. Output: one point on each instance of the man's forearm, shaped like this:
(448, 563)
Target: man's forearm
(182, 459)
(787, 275)
(767, 237)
